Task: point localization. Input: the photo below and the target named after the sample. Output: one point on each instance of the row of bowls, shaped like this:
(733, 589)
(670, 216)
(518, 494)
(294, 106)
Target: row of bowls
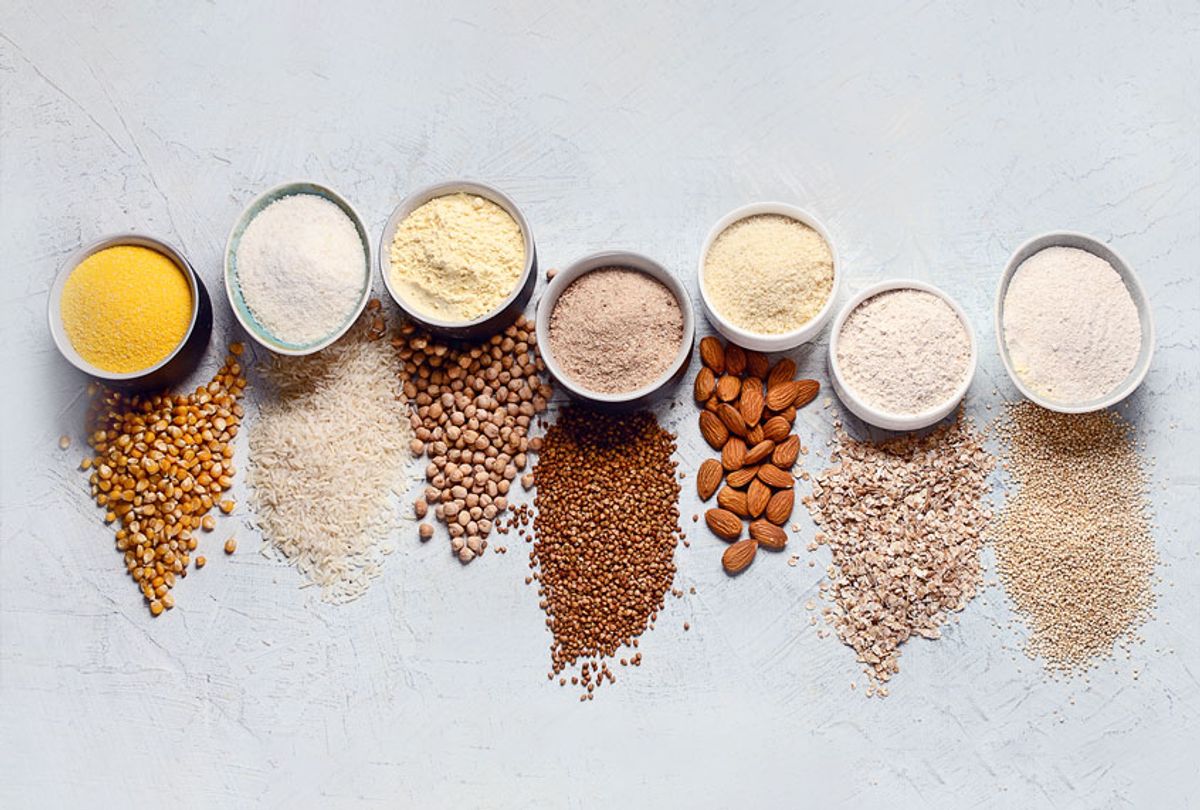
(177, 365)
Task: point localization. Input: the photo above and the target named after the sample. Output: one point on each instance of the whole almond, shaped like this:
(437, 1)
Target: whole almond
(711, 354)
(713, 403)
(735, 359)
(706, 384)
(806, 392)
(759, 452)
(779, 508)
(783, 372)
(732, 419)
(781, 395)
(789, 414)
(774, 477)
(731, 500)
(776, 429)
(768, 534)
(754, 435)
(713, 430)
(785, 453)
(728, 388)
(757, 497)
(757, 364)
(739, 479)
(733, 454)
(724, 524)
(708, 478)
(737, 558)
(750, 405)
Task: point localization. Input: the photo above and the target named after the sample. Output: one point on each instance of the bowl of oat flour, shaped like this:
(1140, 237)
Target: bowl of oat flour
(902, 354)
(1073, 324)
(298, 268)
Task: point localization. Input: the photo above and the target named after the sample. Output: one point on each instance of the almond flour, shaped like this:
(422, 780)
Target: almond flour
(768, 274)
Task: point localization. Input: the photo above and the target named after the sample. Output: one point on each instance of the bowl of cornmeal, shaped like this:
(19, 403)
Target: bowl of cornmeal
(459, 259)
(130, 311)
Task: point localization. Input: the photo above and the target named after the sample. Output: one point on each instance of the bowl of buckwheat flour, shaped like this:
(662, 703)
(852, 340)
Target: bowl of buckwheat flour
(902, 354)
(1073, 324)
(616, 330)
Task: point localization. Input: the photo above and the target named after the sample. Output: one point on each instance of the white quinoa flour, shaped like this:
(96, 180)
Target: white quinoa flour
(1070, 325)
(904, 351)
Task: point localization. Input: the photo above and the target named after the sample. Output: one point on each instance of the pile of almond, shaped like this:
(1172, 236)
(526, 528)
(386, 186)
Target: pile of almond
(748, 410)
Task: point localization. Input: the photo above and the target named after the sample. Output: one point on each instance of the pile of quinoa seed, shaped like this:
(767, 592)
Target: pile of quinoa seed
(606, 528)
(905, 522)
(1073, 543)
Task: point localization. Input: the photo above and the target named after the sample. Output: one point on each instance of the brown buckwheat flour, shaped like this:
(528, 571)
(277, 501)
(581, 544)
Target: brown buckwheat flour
(615, 330)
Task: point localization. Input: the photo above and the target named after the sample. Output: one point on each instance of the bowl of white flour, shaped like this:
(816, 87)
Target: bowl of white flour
(1073, 324)
(298, 268)
(902, 354)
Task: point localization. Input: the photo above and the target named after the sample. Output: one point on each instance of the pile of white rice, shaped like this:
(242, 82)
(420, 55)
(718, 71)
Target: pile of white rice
(329, 455)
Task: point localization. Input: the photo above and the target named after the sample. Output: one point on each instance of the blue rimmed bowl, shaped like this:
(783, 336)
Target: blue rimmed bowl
(233, 290)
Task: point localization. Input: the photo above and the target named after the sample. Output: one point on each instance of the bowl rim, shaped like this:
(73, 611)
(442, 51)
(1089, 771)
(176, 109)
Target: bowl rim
(599, 260)
(1133, 285)
(888, 419)
(761, 341)
(257, 331)
(444, 188)
(75, 258)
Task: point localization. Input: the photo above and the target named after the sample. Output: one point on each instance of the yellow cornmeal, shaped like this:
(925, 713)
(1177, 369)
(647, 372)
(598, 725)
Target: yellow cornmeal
(457, 257)
(125, 308)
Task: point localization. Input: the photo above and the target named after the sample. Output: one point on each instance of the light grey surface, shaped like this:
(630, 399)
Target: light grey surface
(931, 138)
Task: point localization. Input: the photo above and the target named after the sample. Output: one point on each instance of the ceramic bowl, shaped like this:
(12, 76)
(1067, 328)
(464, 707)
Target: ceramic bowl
(1145, 316)
(241, 311)
(885, 419)
(173, 368)
(757, 340)
(647, 394)
(507, 310)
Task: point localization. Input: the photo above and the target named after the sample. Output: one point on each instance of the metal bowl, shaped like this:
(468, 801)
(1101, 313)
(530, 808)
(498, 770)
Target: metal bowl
(173, 368)
(507, 311)
(647, 394)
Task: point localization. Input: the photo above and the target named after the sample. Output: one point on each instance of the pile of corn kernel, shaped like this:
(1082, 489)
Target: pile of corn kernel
(161, 464)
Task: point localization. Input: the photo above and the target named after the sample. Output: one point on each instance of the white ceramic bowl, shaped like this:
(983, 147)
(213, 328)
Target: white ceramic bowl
(503, 313)
(885, 419)
(639, 397)
(756, 340)
(1130, 279)
(182, 359)
(241, 311)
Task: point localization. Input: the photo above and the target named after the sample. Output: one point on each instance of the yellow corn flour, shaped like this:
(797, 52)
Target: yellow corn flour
(457, 257)
(125, 308)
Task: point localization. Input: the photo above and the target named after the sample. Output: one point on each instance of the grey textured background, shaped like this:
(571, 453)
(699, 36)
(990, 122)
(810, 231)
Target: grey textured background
(931, 137)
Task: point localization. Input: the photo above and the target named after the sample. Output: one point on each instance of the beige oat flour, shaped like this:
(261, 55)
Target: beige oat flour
(904, 351)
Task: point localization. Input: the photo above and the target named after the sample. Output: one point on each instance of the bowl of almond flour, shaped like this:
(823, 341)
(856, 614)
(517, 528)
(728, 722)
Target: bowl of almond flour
(902, 355)
(1073, 324)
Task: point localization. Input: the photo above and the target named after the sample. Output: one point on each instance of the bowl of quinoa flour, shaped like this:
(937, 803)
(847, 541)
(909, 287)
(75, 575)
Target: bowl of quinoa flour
(901, 355)
(1073, 324)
